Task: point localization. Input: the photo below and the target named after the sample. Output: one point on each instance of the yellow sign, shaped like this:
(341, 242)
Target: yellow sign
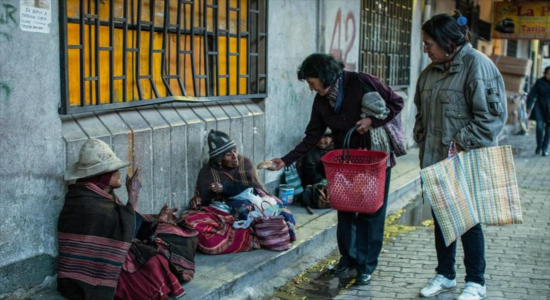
(522, 20)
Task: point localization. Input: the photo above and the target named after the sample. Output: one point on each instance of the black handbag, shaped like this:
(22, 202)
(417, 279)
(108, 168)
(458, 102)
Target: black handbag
(316, 196)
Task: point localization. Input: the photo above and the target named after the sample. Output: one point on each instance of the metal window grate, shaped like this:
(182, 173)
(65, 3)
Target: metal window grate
(123, 53)
(386, 40)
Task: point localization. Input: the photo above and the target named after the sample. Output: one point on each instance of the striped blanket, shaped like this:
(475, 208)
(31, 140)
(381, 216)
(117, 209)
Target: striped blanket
(94, 236)
(478, 186)
(216, 234)
(98, 255)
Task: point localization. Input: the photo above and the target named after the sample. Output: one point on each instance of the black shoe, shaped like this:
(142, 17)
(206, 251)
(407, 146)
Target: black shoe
(341, 269)
(537, 152)
(362, 279)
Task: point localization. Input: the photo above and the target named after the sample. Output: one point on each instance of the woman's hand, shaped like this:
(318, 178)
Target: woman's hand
(364, 125)
(216, 187)
(195, 202)
(277, 164)
(167, 215)
(133, 186)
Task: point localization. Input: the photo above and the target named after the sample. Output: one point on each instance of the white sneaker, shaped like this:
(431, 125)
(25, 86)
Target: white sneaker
(438, 284)
(473, 291)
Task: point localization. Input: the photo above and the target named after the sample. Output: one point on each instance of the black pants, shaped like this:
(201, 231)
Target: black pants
(543, 135)
(360, 236)
(473, 243)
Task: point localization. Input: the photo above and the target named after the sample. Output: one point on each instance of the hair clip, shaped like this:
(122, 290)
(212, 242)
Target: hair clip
(462, 21)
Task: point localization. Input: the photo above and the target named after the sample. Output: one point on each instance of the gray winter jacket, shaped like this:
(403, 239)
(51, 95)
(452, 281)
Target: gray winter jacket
(466, 103)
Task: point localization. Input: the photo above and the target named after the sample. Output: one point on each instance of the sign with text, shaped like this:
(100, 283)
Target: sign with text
(36, 15)
(522, 20)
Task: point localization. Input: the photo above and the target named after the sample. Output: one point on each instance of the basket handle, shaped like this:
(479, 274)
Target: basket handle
(346, 146)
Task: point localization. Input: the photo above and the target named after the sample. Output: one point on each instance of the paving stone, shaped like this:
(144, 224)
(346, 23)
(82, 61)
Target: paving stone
(518, 256)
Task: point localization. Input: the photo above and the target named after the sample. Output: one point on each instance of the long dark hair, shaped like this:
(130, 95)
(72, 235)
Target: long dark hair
(449, 32)
(322, 66)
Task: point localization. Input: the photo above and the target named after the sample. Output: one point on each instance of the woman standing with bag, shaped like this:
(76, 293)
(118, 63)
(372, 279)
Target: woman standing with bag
(460, 96)
(337, 106)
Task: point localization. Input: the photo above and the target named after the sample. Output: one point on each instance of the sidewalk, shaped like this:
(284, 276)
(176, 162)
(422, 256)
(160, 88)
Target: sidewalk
(251, 275)
(518, 256)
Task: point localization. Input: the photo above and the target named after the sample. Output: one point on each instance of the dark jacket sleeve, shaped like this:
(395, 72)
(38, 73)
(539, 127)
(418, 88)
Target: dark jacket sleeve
(309, 169)
(233, 189)
(394, 102)
(314, 132)
(533, 95)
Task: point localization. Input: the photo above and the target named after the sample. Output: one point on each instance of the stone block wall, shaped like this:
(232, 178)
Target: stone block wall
(168, 142)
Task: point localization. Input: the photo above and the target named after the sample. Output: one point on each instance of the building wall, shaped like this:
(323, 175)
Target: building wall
(167, 141)
(292, 37)
(32, 151)
(342, 26)
(419, 61)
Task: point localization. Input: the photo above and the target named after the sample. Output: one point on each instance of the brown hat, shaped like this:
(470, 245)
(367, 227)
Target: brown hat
(96, 157)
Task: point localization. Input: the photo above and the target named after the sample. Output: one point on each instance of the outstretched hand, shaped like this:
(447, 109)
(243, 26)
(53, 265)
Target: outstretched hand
(195, 202)
(133, 186)
(167, 215)
(277, 164)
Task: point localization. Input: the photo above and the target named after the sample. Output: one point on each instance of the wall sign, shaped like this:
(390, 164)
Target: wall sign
(522, 20)
(36, 15)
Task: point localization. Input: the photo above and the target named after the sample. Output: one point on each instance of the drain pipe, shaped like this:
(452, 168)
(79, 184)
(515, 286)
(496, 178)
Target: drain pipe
(425, 17)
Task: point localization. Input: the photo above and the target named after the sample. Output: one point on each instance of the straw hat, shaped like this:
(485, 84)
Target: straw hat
(96, 157)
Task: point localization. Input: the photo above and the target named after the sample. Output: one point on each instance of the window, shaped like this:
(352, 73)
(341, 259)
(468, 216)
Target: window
(484, 31)
(386, 40)
(120, 53)
(512, 48)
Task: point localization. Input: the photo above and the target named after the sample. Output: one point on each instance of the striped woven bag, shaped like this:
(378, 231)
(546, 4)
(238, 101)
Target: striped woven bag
(478, 186)
(293, 180)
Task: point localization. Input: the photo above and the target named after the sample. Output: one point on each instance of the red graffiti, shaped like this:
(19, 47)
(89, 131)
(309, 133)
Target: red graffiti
(336, 49)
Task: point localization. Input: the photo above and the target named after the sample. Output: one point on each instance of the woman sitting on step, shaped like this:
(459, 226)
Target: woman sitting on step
(213, 213)
(106, 248)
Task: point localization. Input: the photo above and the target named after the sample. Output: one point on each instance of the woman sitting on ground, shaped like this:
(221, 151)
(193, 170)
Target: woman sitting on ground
(104, 246)
(212, 214)
(227, 173)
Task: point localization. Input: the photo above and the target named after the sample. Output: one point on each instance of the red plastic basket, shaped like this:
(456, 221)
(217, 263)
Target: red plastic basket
(357, 185)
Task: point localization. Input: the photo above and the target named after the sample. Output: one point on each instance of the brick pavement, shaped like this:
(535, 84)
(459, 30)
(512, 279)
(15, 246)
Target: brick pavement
(518, 256)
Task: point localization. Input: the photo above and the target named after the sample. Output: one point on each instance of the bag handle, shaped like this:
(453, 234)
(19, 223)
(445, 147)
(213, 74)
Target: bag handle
(229, 175)
(322, 195)
(275, 208)
(262, 211)
(346, 146)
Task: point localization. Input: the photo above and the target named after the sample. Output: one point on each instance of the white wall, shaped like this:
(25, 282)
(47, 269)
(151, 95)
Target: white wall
(32, 152)
(342, 26)
(292, 37)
